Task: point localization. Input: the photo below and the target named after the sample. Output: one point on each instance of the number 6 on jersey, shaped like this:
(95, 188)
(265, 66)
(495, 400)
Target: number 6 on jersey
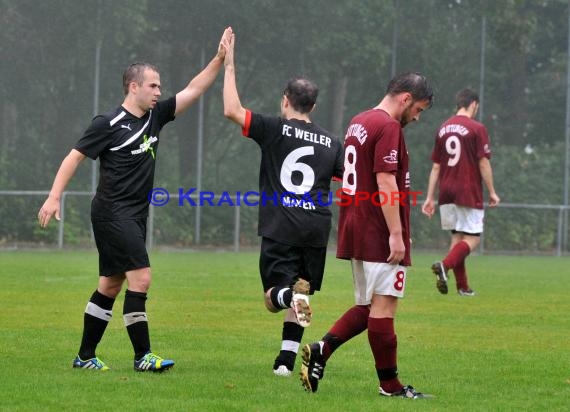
(291, 164)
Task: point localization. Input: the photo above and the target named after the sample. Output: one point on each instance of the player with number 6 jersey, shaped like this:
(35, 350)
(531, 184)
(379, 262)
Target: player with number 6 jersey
(298, 161)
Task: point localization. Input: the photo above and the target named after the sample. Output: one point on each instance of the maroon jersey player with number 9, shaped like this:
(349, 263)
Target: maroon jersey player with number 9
(460, 162)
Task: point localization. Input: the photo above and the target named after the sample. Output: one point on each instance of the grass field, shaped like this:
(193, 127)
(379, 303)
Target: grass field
(507, 349)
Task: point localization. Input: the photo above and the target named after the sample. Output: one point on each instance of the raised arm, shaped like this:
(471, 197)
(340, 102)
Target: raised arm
(203, 80)
(233, 109)
(66, 171)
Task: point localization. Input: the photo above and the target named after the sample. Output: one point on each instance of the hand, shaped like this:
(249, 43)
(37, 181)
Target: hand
(229, 46)
(428, 208)
(494, 200)
(224, 43)
(397, 249)
(49, 209)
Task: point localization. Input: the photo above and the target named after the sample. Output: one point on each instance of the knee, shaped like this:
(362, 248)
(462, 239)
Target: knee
(473, 242)
(139, 280)
(110, 286)
(110, 291)
(141, 285)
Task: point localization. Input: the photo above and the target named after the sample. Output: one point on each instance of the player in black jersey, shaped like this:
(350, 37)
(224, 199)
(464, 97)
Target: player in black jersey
(298, 161)
(126, 142)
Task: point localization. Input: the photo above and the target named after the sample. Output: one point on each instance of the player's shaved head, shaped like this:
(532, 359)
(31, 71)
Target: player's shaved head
(135, 73)
(414, 83)
(302, 94)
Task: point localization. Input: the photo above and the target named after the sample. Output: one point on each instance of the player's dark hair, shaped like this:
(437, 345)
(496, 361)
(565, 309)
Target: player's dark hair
(135, 73)
(465, 97)
(302, 94)
(410, 82)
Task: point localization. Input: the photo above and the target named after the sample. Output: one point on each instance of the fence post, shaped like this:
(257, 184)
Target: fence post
(559, 234)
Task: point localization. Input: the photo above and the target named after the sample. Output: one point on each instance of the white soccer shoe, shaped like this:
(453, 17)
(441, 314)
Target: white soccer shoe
(300, 305)
(282, 371)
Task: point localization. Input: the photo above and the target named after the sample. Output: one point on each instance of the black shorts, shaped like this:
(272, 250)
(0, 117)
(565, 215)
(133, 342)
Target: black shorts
(121, 245)
(281, 265)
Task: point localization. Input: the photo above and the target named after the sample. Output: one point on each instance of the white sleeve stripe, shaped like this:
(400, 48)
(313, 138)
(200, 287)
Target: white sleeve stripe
(117, 118)
(133, 137)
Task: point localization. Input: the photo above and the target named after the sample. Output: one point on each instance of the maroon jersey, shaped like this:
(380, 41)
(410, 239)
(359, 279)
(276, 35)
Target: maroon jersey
(374, 143)
(459, 144)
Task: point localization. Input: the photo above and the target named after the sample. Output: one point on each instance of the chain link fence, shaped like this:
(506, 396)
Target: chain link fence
(227, 222)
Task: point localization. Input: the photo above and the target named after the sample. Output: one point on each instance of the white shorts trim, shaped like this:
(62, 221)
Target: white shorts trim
(374, 278)
(461, 219)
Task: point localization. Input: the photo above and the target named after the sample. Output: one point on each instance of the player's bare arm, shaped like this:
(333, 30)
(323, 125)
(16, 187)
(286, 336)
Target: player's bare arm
(64, 174)
(233, 109)
(203, 80)
(428, 208)
(487, 176)
(391, 210)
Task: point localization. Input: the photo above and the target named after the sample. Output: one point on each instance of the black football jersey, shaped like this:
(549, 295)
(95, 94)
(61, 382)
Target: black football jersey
(126, 147)
(298, 161)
